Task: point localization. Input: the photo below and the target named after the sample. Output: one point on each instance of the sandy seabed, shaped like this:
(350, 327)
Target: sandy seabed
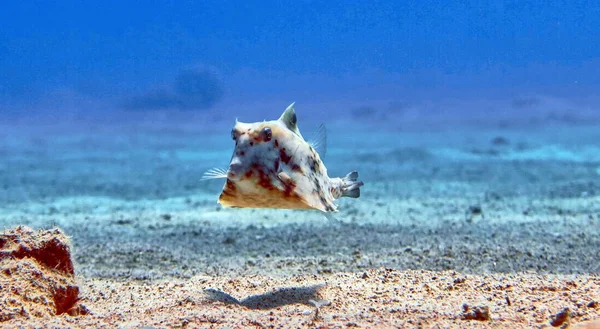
(36, 294)
(484, 228)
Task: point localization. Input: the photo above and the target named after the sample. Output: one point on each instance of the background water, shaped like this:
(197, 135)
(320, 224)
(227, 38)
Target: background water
(473, 125)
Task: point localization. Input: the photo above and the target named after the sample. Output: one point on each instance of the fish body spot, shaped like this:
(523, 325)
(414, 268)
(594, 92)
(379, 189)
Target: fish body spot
(322, 198)
(264, 181)
(289, 189)
(230, 188)
(285, 158)
(297, 168)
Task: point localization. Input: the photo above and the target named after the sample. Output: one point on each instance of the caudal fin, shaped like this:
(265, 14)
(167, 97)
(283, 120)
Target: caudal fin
(351, 185)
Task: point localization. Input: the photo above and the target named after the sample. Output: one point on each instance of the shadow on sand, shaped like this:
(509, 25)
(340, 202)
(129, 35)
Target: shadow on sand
(308, 295)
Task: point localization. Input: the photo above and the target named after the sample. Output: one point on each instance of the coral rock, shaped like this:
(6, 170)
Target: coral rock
(36, 275)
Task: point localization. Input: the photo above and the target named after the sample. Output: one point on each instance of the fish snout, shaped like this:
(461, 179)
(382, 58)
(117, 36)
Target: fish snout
(235, 169)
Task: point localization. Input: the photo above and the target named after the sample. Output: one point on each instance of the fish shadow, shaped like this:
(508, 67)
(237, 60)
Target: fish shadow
(307, 295)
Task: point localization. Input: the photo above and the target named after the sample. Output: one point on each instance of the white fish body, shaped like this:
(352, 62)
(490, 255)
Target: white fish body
(272, 166)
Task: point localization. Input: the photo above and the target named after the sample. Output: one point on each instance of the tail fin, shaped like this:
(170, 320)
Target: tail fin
(351, 185)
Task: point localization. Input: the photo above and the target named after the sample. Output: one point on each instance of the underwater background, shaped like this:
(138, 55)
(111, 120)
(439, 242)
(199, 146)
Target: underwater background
(474, 126)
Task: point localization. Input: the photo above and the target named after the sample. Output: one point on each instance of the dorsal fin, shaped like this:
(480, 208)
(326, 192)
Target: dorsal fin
(319, 140)
(289, 119)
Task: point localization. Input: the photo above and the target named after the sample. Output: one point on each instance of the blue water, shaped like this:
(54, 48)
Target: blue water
(474, 126)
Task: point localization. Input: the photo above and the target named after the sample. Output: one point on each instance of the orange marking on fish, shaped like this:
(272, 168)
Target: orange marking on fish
(264, 181)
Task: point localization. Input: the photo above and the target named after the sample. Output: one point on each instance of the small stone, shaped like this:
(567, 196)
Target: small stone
(459, 281)
(561, 317)
(472, 212)
(479, 313)
(123, 221)
(475, 210)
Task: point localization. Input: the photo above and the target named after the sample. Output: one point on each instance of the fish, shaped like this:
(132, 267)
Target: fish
(273, 166)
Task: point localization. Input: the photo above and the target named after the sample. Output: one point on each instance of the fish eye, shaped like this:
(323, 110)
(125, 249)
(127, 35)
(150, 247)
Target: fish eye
(233, 134)
(267, 134)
